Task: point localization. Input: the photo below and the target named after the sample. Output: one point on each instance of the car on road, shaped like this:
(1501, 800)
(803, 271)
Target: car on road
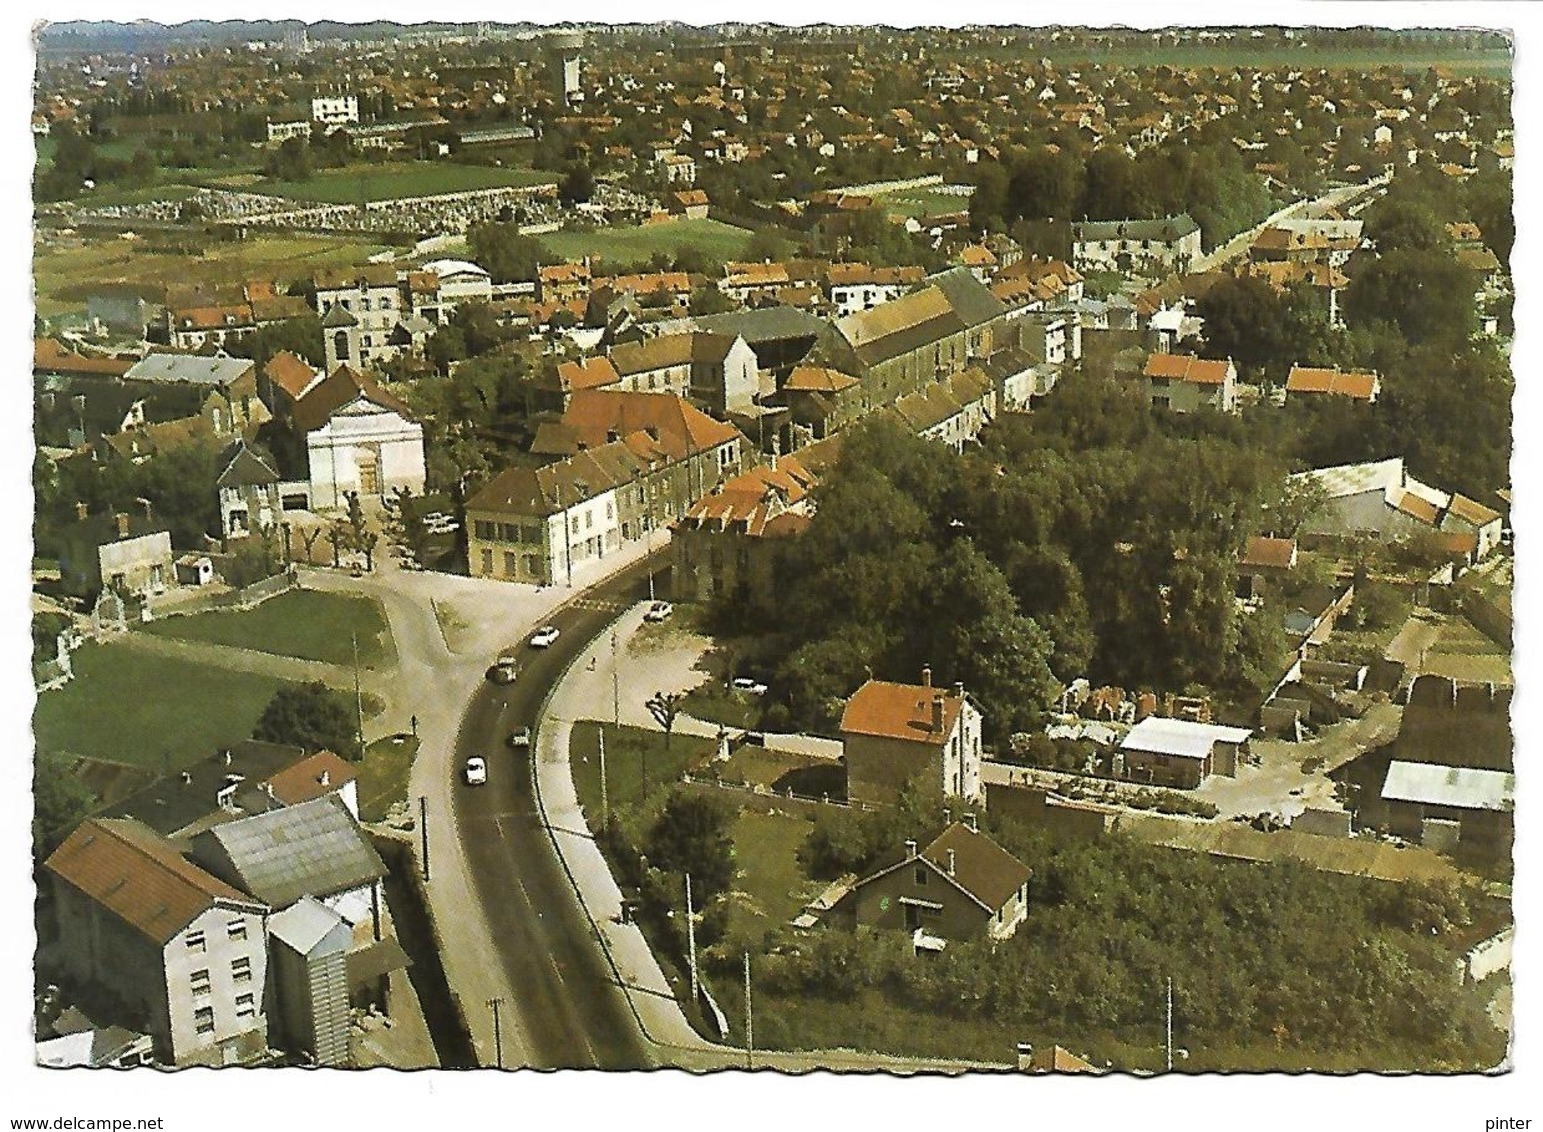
(543, 637)
(749, 684)
(504, 670)
(520, 738)
(476, 771)
(659, 611)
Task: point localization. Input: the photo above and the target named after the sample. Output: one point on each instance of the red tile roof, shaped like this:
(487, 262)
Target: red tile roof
(900, 711)
(1271, 553)
(49, 355)
(1201, 371)
(591, 373)
(1360, 386)
(303, 782)
(594, 415)
(139, 877)
(290, 373)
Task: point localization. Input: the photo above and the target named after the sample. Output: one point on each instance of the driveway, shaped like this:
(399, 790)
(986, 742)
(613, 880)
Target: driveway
(1283, 785)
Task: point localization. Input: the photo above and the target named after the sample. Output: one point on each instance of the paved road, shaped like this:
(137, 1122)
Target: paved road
(572, 1012)
(1238, 246)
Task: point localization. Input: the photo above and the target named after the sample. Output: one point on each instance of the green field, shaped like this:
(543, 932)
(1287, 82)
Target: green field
(65, 274)
(626, 751)
(383, 775)
(622, 247)
(302, 623)
(766, 854)
(129, 706)
(924, 202)
(397, 180)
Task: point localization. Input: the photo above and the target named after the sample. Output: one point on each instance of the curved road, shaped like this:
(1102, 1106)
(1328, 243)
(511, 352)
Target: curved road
(571, 1010)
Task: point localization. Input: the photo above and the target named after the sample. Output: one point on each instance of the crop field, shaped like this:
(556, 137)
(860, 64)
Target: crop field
(620, 247)
(399, 180)
(65, 272)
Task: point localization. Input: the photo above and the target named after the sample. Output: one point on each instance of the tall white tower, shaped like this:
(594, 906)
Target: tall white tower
(564, 48)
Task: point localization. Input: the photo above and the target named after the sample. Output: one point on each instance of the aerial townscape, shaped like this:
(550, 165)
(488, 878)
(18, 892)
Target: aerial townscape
(947, 550)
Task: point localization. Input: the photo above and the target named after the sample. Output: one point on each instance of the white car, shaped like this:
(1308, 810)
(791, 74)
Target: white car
(746, 684)
(504, 670)
(476, 771)
(520, 738)
(659, 611)
(543, 637)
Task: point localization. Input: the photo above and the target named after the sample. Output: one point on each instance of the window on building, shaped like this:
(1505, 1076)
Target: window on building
(245, 1006)
(589, 519)
(203, 1019)
(196, 942)
(511, 563)
(487, 563)
(921, 875)
(236, 929)
(199, 982)
(241, 969)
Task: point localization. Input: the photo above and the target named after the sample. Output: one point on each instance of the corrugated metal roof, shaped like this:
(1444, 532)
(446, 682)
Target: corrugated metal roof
(1466, 788)
(314, 849)
(306, 923)
(1179, 737)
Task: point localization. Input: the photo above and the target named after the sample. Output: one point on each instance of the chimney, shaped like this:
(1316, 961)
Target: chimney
(959, 689)
(970, 820)
(81, 511)
(950, 862)
(937, 712)
(122, 520)
(910, 849)
(326, 778)
(926, 676)
(948, 815)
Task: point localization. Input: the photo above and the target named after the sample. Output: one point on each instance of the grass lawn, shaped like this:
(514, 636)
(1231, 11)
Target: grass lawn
(302, 623)
(128, 706)
(396, 180)
(383, 775)
(717, 704)
(766, 852)
(626, 750)
(620, 247)
(924, 202)
(65, 275)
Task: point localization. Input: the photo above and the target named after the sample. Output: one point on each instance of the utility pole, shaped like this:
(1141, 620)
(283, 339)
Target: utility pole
(358, 695)
(749, 1020)
(605, 801)
(691, 939)
(498, 1032)
(1168, 1045)
(423, 830)
(615, 684)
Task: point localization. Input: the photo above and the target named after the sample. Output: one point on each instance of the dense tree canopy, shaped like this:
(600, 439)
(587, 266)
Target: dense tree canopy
(312, 716)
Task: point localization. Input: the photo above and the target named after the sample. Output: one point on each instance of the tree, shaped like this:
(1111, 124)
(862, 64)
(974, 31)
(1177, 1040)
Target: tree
(577, 185)
(1244, 321)
(710, 300)
(312, 716)
(1424, 293)
(692, 836)
(664, 707)
(61, 800)
(506, 255)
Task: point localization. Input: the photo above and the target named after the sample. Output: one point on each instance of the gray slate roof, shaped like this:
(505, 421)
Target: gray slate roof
(246, 467)
(191, 369)
(1165, 230)
(313, 849)
(971, 299)
(764, 324)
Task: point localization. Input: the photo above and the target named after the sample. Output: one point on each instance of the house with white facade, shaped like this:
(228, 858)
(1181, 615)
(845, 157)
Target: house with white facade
(358, 437)
(1138, 246)
(1184, 384)
(183, 949)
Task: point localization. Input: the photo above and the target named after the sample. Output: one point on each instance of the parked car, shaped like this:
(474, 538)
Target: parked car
(543, 637)
(520, 738)
(749, 684)
(659, 611)
(476, 771)
(504, 670)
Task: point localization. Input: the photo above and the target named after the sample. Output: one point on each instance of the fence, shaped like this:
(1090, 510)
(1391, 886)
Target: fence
(763, 800)
(246, 598)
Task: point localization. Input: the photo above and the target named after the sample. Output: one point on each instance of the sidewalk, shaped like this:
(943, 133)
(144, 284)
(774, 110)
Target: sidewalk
(648, 992)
